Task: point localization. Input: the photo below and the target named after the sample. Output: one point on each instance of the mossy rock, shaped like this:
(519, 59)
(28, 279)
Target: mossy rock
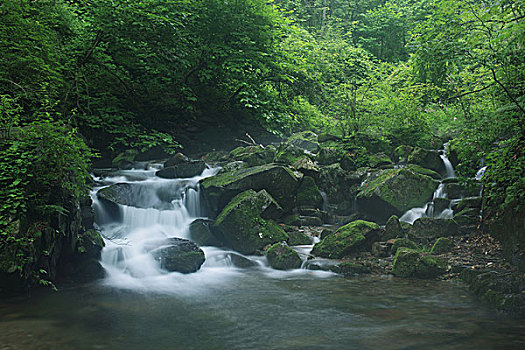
(442, 245)
(306, 140)
(349, 239)
(254, 155)
(429, 159)
(280, 182)
(379, 160)
(298, 238)
(440, 204)
(182, 170)
(180, 255)
(289, 154)
(308, 194)
(326, 137)
(306, 166)
(468, 218)
(329, 155)
(412, 263)
(393, 192)
(430, 228)
(424, 171)
(242, 226)
(393, 229)
(403, 243)
(282, 257)
(201, 233)
(469, 202)
(125, 159)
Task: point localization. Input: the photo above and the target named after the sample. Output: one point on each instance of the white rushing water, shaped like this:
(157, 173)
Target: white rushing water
(164, 208)
(428, 210)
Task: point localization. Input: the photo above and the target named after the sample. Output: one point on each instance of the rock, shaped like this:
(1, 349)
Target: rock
(289, 154)
(469, 202)
(393, 192)
(182, 170)
(241, 261)
(441, 246)
(428, 159)
(349, 268)
(242, 226)
(310, 221)
(351, 238)
(393, 229)
(424, 171)
(339, 185)
(306, 166)
(125, 159)
(430, 228)
(201, 234)
(298, 238)
(329, 155)
(232, 167)
(403, 243)
(180, 255)
(379, 160)
(380, 250)
(412, 263)
(324, 137)
(113, 196)
(282, 257)
(440, 204)
(176, 159)
(468, 219)
(254, 155)
(308, 194)
(326, 232)
(306, 140)
(278, 181)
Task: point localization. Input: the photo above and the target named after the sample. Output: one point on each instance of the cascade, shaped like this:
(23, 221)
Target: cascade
(428, 209)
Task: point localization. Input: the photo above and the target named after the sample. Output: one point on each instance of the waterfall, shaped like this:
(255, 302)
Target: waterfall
(428, 210)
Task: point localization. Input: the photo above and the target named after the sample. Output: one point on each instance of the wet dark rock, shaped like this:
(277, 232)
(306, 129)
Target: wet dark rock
(182, 170)
(298, 238)
(431, 228)
(177, 254)
(306, 166)
(176, 159)
(201, 233)
(393, 229)
(440, 204)
(403, 243)
(308, 194)
(254, 155)
(428, 159)
(125, 159)
(329, 155)
(412, 263)
(350, 268)
(282, 257)
(441, 246)
(289, 154)
(306, 140)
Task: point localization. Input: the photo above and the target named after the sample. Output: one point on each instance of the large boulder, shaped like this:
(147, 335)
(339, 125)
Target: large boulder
(280, 182)
(329, 155)
(182, 170)
(307, 167)
(442, 245)
(176, 159)
(308, 194)
(306, 140)
(180, 255)
(201, 233)
(289, 154)
(349, 239)
(430, 228)
(254, 155)
(393, 229)
(243, 228)
(412, 263)
(393, 192)
(429, 159)
(282, 257)
(380, 160)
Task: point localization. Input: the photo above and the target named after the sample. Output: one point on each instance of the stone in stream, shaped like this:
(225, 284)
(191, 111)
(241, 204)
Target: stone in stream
(201, 233)
(429, 159)
(298, 238)
(280, 182)
(242, 226)
(412, 263)
(182, 170)
(349, 239)
(177, 254)
(394, 191)
(282, 257)
(402, 243)
(176, 159)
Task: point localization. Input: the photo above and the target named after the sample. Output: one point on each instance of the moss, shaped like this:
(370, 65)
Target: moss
(403, 243)
(427, 158)
(402, 152)
(289, 154)
(379, 159)
(393, 228)
(348, 239)
(412, 263)
(308, 194)
(441, 246)
(298, 238)
(282, 257)
(253, 155)
(423, 171)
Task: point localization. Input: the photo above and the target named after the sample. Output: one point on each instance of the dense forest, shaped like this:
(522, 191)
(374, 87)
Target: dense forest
(85, 79)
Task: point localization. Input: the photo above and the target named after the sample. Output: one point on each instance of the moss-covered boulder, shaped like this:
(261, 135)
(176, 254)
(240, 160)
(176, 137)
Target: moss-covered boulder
(430, 228)
(424, 171)
(242, 227)
(441, 246)
(180, 255)
(289, 154)
(339, 185)
(429, 159)
(403, 243)
(306, 140)
(282, 257)
(182, 170)
(348, 239)
(307, 167)
(468, 203)
(201, 233)
(393, 229)
(254, 155)
(280, 182)
(308, 194)
(329, 155)
(394, 191)
(379, 160)
(298, 238)
(412, 263)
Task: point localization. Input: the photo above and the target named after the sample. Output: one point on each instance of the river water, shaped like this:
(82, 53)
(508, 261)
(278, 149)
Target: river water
(140, 306)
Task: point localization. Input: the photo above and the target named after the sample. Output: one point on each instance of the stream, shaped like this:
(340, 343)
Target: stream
(141, 306)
